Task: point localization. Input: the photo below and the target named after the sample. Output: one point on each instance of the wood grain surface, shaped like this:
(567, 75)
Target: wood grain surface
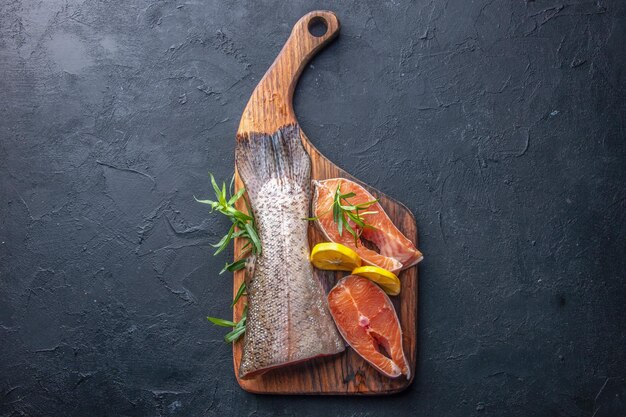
(269, 108)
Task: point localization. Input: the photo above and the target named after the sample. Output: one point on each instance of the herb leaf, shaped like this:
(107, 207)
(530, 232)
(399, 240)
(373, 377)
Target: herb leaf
(223, 243)
(236, 197)
(243, 226)
(221, 322)
(239, 328)
(241, 291)
(234, 335)
(344, 211)
(254, 237)
(234, 266)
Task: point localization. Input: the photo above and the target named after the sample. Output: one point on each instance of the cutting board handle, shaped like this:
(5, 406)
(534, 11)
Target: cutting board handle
(270, 105)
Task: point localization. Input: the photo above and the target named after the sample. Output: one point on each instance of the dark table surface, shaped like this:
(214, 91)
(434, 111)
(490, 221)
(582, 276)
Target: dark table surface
(500, 124)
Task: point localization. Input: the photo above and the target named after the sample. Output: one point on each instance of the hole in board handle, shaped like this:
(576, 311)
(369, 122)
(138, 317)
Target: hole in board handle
(318, 26)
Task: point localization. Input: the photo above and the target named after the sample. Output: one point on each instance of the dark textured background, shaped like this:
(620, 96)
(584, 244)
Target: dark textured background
(501, 124)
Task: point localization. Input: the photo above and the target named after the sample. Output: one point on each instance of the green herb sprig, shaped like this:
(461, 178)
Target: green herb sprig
(239, 328)
(343, 211)
(243, 226)
(243, 223)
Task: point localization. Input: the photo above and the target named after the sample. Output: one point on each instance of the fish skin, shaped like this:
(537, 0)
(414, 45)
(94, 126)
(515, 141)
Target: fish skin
(288, 319)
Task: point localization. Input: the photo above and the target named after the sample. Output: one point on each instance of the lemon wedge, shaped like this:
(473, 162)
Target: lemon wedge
(387, 280)
(334, 257)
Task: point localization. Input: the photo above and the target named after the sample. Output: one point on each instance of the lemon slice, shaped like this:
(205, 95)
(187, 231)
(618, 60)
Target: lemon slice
(334, 257)
(387, 280)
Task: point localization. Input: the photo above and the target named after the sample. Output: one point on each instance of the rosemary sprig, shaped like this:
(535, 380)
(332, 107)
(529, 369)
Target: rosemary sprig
(243, 226)
(344, 211)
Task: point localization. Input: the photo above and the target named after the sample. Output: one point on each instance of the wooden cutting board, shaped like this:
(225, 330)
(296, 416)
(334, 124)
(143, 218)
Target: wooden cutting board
(271, 107)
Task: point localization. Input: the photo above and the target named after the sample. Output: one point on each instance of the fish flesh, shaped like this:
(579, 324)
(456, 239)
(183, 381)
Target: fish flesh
(288, 319)
(368, 322)
(394, 250)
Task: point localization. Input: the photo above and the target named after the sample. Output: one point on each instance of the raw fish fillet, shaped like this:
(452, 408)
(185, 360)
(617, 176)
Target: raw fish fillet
(288, 319)
(395, 251)
(367, 320)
